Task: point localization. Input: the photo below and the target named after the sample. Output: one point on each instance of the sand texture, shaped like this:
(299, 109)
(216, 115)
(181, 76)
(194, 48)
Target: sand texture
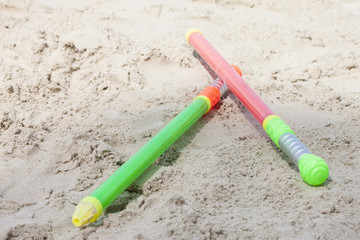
(85, 84)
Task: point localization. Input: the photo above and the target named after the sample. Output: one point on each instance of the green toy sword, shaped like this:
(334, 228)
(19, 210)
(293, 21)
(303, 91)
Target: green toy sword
(91, 207)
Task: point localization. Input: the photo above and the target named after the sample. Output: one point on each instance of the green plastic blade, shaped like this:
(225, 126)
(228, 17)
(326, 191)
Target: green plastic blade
(147, 155)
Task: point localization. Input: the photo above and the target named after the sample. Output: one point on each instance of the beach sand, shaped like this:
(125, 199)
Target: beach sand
(85, 84)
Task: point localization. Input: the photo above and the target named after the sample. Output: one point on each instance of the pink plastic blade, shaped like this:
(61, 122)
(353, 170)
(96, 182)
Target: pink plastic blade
(232, 79)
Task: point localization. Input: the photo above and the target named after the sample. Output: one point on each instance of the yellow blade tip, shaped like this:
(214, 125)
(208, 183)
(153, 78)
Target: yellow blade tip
(191, 31)
(77, 222)
(87, 211)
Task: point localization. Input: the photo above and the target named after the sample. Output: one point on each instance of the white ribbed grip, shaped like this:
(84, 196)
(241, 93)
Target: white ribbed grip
(220, 84)
(292, 146)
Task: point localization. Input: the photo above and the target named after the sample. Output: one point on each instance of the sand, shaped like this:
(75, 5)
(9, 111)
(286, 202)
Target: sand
(85, 84)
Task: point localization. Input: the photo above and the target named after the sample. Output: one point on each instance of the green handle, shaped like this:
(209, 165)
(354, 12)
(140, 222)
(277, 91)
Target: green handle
(313, 169)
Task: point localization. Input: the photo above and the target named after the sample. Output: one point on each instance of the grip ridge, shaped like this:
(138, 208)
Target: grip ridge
(293, 147)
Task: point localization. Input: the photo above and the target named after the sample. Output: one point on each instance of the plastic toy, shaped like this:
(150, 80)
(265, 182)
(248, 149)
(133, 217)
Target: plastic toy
(91, 207)
(313, 169)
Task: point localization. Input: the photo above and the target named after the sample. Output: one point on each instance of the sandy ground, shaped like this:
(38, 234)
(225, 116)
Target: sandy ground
(84, 85)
